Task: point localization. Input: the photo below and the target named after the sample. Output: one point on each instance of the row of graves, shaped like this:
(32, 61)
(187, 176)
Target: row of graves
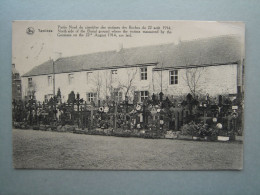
(157, 116)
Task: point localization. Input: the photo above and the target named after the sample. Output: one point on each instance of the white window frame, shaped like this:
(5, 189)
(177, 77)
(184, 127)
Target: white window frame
(30, 81)
(50, 80)
(46, 99)
(16, 76)
(113, 71)
(71, 78)
(19, 88)
(173, 77)
(114, 75)
(143, 95)
(91, 97)
(143, 73)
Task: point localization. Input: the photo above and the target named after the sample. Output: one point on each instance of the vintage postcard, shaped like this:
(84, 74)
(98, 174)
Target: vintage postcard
(128, 95)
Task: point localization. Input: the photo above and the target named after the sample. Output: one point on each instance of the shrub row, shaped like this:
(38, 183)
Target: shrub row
(191, 130)
(199, 130)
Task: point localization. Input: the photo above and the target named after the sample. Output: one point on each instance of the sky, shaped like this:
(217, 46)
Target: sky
(30, 50)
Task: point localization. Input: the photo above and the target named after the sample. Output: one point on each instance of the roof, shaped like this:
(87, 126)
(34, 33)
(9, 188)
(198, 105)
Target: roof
(210, 51)
(216, 50)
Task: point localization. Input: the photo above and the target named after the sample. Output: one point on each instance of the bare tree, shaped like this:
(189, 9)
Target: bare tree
(107, 87)
(192, 78)
(128, 85)
(97, 84)
(102, 84)
(193, 73)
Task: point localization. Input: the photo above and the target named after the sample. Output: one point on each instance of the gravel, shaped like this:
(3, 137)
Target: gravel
(54, 150)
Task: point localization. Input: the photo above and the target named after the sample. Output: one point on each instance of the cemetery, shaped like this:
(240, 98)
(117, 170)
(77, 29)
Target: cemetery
(201, 118)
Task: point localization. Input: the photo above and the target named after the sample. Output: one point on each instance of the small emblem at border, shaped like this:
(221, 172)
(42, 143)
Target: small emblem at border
(30, 30)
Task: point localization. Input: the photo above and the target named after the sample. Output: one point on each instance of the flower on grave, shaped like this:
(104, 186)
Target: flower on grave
(219, 126)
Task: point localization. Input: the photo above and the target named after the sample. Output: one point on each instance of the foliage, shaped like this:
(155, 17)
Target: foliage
(71, 97)
(125, 133)
(200, 130)
(30, 114)
(151, 135)
(95, 132)
(36, 127)
(153, 126)
(21, 125)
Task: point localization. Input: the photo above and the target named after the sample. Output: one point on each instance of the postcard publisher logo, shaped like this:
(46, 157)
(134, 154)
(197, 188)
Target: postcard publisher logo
(30, 30)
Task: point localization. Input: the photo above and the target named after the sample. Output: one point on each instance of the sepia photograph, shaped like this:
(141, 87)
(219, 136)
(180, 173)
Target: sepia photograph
(128, 95)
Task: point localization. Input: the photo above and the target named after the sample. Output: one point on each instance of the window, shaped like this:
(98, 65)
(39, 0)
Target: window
(19, 88)
(144, 95)
(46, 98)
(89, 76)
(118, 96)
(92, 97)
(16, 76)
(71, 78)
(114, 71)
(173, 77)
(114, 75)
(30, 82)
(144, 73)
(49, 80)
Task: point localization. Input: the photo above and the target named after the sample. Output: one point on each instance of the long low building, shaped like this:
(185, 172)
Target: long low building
(211, 66)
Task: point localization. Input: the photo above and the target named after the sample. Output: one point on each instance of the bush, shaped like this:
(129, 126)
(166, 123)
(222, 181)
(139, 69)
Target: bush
(17, 125)
(53, 127)
(125, 133)
(240, 131)
(153, 126)
(24, 125)
(213, 132)
(200, 130)
(95, 132)
(191, 129)
(151, 135)
(36, 127)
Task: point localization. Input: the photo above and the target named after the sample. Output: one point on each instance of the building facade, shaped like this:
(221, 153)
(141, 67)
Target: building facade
(205, 66)
(16, 84)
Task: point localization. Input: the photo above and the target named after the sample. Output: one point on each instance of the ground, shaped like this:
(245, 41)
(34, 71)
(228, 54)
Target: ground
(54, 150)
